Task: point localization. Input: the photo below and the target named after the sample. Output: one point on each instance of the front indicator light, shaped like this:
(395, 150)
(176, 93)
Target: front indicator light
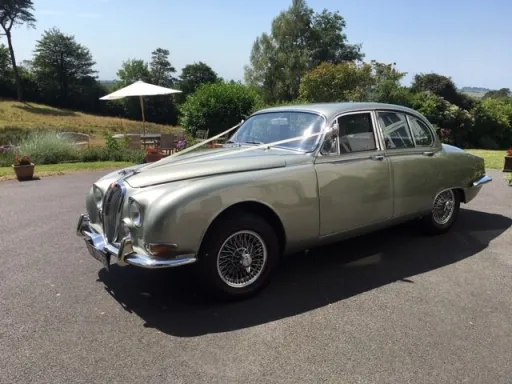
(163, 249)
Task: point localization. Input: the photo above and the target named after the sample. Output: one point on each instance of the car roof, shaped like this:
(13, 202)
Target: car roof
(330, 110)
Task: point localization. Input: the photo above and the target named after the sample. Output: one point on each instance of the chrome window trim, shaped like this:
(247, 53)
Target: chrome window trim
(432, 134)
(376, 137)
(381, 129)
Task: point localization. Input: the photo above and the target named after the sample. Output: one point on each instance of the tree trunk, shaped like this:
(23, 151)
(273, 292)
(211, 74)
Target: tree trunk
(14, 67)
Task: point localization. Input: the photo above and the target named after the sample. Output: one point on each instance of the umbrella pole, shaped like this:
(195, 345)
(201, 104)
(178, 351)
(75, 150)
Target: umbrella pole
(143, 117)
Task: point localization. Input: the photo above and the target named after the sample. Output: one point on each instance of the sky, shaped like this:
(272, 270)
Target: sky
(467, 40)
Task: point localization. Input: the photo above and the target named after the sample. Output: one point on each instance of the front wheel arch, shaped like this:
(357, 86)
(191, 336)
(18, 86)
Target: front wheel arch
(249, 207)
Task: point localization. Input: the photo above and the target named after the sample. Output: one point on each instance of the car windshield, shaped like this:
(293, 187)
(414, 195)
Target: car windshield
(270, 127)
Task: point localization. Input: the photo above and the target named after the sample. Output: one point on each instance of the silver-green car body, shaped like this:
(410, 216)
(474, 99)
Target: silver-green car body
(157, 215)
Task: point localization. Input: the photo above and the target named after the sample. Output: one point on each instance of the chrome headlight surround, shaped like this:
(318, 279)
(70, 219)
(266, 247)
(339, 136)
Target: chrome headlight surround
(135, 213)
(97, 194)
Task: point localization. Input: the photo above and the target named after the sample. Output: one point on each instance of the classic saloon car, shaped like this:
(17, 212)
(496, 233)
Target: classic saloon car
(288, 179)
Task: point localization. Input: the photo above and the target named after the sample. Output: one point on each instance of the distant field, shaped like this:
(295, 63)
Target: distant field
(476, 95)
(16, 115)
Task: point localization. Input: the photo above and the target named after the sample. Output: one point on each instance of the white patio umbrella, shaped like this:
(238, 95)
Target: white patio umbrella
(140, 89)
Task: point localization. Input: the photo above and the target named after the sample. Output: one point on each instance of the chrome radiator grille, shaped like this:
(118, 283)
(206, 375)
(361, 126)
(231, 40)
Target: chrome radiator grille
(112, 206)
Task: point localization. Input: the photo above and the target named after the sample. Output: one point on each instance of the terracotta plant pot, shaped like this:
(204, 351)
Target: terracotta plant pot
(508, 164)
(152, 157)
(24, 172)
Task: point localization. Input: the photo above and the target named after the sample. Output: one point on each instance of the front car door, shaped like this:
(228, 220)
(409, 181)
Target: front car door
(354, 179)
(415, 157)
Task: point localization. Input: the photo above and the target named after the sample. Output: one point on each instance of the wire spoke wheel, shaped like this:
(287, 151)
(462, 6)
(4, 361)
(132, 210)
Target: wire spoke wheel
(444, 206)
(241, 259)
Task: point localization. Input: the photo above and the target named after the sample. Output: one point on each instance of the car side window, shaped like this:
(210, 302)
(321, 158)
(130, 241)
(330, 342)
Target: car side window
(395, 130)
(356, 133)
(421, 132)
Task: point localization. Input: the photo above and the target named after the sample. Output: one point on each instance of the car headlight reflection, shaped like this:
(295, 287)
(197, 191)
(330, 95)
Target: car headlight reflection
(135, 213)
(98, 196)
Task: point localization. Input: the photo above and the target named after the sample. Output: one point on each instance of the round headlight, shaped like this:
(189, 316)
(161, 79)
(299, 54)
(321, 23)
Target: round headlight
(135, 214)
(98, 196)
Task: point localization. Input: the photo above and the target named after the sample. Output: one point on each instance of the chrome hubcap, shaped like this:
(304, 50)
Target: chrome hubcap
(444, 205)
(241, 259)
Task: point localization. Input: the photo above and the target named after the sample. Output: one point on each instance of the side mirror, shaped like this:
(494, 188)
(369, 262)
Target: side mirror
(333, 131)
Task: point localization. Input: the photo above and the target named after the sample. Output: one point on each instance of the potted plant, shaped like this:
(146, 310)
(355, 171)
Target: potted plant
(153, 154)
(508, 161)
(23, 167)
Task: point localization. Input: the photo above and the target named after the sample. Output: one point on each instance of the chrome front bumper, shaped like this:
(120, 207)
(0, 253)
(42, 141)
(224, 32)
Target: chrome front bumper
(125, 254)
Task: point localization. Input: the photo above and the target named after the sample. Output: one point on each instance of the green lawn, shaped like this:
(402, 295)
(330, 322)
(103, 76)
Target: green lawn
(7, 173)
(493, 159)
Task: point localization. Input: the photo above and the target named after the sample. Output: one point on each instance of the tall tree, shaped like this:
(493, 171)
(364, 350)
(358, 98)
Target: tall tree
(4, 59)
(62, 64)
(16, 12)
(194, 75)
(300, 39)
(131, 71)
(159, 109)
(437, 84)
(161, 70)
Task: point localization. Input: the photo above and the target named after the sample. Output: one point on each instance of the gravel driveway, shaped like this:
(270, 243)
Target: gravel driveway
(392, 307)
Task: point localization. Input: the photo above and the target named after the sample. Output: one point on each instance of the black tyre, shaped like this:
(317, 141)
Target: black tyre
(445, 210)
(238, 257)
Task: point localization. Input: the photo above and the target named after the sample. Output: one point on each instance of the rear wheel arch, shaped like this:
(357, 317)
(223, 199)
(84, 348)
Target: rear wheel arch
(461, 193)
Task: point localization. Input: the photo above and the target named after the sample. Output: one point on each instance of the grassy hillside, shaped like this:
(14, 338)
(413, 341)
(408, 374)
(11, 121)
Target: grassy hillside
(476, 95)
(476, 92)
(26, 116)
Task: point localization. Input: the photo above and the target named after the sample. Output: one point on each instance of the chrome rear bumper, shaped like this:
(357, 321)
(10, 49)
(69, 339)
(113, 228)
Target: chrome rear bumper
(483, 180)
(125, 254)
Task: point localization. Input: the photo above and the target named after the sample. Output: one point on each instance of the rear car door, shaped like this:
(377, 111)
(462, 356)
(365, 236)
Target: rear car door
(414, 155)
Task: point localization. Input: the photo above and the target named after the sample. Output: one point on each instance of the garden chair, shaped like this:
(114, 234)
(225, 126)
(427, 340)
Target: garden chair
(167, 144)
(134, 142)
(201, 135)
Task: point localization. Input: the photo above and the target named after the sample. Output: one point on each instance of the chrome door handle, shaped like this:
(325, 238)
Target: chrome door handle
(377, 157)
(428, 154)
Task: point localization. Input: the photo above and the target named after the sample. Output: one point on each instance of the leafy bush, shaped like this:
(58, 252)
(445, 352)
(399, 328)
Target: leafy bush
(217, 107)
(337, 82)
(47, 148)
(106, 154)
(6, 158)
(455, 121)
(13, 135)
(493, 124)
(114, 144)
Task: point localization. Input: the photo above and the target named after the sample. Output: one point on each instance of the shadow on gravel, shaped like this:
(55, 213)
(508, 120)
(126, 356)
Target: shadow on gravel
(170, 301)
